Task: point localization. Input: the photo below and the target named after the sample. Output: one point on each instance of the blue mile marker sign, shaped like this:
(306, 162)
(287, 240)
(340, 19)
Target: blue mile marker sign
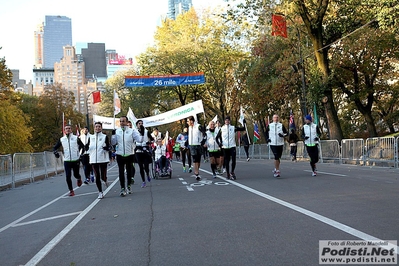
(165, 80)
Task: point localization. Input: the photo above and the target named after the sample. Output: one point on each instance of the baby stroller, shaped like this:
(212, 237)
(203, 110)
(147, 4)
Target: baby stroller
(167, 169)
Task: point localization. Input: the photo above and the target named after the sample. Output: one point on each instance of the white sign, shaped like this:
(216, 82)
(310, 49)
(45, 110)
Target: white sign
(177, 114)
(108, 122)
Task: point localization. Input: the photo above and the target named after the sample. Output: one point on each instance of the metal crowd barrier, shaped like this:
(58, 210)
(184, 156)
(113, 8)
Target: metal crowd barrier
(381, 151)
(25, 167)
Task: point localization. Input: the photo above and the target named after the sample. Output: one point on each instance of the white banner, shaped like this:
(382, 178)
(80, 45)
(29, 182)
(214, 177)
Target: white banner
(177, 114)
(108, 122)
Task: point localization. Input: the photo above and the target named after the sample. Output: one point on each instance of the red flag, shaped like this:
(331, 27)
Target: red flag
(96, 97)
(279, 26)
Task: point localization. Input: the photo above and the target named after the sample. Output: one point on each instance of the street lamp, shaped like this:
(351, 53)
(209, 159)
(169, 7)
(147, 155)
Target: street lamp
(300, 66)
(87, 110)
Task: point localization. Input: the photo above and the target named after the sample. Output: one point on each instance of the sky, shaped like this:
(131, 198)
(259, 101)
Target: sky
(128, 26)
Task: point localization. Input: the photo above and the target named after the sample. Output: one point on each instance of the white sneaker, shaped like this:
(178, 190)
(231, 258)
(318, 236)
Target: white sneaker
(100, 195)
(224, 171)
(314, 173)
(248, 159)
(276, 173)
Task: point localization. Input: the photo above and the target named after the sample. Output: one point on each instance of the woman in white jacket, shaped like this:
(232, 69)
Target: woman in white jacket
(98, 147)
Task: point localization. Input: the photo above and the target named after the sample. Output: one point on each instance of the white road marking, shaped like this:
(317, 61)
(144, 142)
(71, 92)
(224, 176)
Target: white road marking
(184, 183)
(326, 173)
(189, 188)
(347, 229)
(46, 249)
(48, 219)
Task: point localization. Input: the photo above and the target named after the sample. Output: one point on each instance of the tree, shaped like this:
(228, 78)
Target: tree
(14, 134)
(364, 65)
(5, 76)
(194, 43)
(47, 120)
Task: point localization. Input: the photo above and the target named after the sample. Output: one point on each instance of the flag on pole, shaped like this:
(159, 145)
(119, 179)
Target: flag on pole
(256, 132)
(279, 25)
(117, 103)
(130, 115)
(63, 124)
(292, 121)
(315, 117)
(77, 131)
(241, 120)
(96, 97)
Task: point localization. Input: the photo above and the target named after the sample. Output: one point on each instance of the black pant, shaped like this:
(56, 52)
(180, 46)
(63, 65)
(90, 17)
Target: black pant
(125, 161)
(227, 153)
(100, 172)
(186, 152)
(69, 167)
(313, 152)
(293, 151)
(143, 160)
(86, 165)
(246, 149)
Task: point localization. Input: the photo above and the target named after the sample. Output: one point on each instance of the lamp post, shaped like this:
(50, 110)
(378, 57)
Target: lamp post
(87, 110)
(300, 66)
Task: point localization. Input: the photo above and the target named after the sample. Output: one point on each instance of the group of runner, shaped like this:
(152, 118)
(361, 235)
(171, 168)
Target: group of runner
(137, 145)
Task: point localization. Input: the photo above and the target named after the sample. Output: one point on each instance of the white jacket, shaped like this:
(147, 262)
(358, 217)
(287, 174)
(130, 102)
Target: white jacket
(311, 132)
(96, 152)
(228, 136)
(274, 130)
(211, 140)
(159, 152)
(195, 135)
(71, 147)
(124, 139)
(85, 139)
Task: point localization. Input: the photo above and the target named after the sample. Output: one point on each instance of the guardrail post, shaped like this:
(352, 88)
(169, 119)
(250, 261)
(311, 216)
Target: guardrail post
(32, 179)
(13, 171)
(45, 164)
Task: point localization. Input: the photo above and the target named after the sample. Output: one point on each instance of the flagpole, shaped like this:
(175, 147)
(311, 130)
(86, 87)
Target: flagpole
(114, 109)
(246, 130)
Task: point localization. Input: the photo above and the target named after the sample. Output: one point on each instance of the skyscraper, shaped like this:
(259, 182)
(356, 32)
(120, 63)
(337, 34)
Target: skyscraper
(95, 61)
(57, 34)
(38, 39)
(176, 7)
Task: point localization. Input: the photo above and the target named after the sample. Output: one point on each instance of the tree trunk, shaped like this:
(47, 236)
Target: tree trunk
(314, 26)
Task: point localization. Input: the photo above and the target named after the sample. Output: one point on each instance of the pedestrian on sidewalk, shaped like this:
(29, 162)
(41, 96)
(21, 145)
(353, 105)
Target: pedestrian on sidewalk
(71, 145)
(98, 147)
(311, 136)
(275, 133)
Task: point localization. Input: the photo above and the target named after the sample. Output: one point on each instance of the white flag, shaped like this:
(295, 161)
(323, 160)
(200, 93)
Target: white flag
(132, 118)
(215, 118)
(241, 120)
(117, 103)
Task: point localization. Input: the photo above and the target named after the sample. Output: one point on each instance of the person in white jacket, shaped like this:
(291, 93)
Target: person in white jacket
(196, 138)
(213, 147)
(124, 138)
(311, 135)
(98, 147)
(226, 139)
(71, 145)
(275, 133)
